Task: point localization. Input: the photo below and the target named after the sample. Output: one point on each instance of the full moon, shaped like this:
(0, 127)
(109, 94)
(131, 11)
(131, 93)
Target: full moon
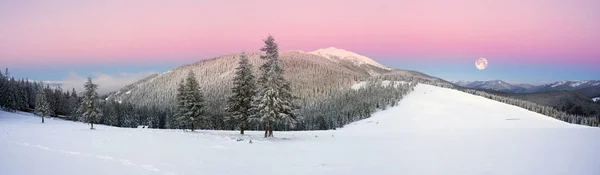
(481, 63)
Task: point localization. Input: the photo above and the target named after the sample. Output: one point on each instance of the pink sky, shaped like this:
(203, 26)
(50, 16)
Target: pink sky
(117, 31)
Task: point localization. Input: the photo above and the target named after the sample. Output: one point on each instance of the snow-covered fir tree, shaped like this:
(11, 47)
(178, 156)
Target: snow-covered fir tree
(190, 109)
(273, 103)
(42, 108)
(90, 106)
(243, 90)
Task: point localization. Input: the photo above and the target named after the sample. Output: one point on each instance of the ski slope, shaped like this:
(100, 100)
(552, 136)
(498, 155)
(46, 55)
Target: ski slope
(432, 131)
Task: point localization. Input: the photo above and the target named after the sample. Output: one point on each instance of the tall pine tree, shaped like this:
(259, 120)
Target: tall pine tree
(90, 106)
(3, 88)
(73, 105)
(243, 90)
(273, 103)
(11, 99)
(190, 109)
(42, 108)
(180, 110)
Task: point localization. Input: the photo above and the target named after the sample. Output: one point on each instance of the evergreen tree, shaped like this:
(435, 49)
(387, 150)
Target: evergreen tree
(73, 102)
(11, 100)
(51, 100)
(42, 108)
(190, 112)
(243, 90)
(32, 93)
(22, 96)
(90, 107)
(2, 90)
(180, 110)
(273, 103)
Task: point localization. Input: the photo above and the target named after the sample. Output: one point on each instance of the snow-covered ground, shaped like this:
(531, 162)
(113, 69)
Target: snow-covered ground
(432, 131)
(333, 53)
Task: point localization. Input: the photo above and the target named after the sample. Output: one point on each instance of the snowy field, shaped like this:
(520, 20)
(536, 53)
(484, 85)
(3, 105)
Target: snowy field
(432, 131)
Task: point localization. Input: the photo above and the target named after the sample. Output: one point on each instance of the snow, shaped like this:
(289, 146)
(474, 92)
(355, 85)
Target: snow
(387, 83)
(128, 92)
(362, 84)
(358, 85)
(357, 59)
(432, 131)
(462, 82)
(578, 83)
(596, 99)
(596, 84)
(558, 83)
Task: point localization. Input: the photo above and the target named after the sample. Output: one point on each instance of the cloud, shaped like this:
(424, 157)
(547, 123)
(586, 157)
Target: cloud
(106, 83)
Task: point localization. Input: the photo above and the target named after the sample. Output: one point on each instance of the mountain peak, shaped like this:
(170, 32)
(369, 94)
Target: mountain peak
(333, 53)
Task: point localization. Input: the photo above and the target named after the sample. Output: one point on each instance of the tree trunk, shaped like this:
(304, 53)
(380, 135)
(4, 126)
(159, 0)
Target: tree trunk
(192, 127)
(270, 131)
(242, 129)
(266, 131)
(42, 119)
(92, 125)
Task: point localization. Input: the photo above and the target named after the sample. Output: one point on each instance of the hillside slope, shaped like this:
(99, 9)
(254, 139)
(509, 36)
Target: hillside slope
(310, 74)
(313, 75)
(432, 131)
(570, 102)
(430, 107)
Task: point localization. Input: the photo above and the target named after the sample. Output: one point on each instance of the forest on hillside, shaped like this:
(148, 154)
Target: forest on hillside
(341, 107)
(565, 108)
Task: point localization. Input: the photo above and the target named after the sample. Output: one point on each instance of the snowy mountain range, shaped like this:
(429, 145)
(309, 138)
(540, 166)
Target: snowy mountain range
(589, 88)
(497, 85)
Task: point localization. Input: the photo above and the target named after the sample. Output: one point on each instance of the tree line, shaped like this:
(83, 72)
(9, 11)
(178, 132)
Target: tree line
(577, 117)
(22, 95)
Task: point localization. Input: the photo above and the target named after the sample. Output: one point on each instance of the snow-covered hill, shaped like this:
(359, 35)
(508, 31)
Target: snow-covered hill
(432, 131)
(305, 70)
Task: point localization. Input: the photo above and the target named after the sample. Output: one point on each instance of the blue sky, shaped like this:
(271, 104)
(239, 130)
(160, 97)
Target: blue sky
(119, 41)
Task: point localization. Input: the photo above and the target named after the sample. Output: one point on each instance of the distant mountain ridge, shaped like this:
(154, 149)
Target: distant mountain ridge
(589, 88)
(497, 85)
